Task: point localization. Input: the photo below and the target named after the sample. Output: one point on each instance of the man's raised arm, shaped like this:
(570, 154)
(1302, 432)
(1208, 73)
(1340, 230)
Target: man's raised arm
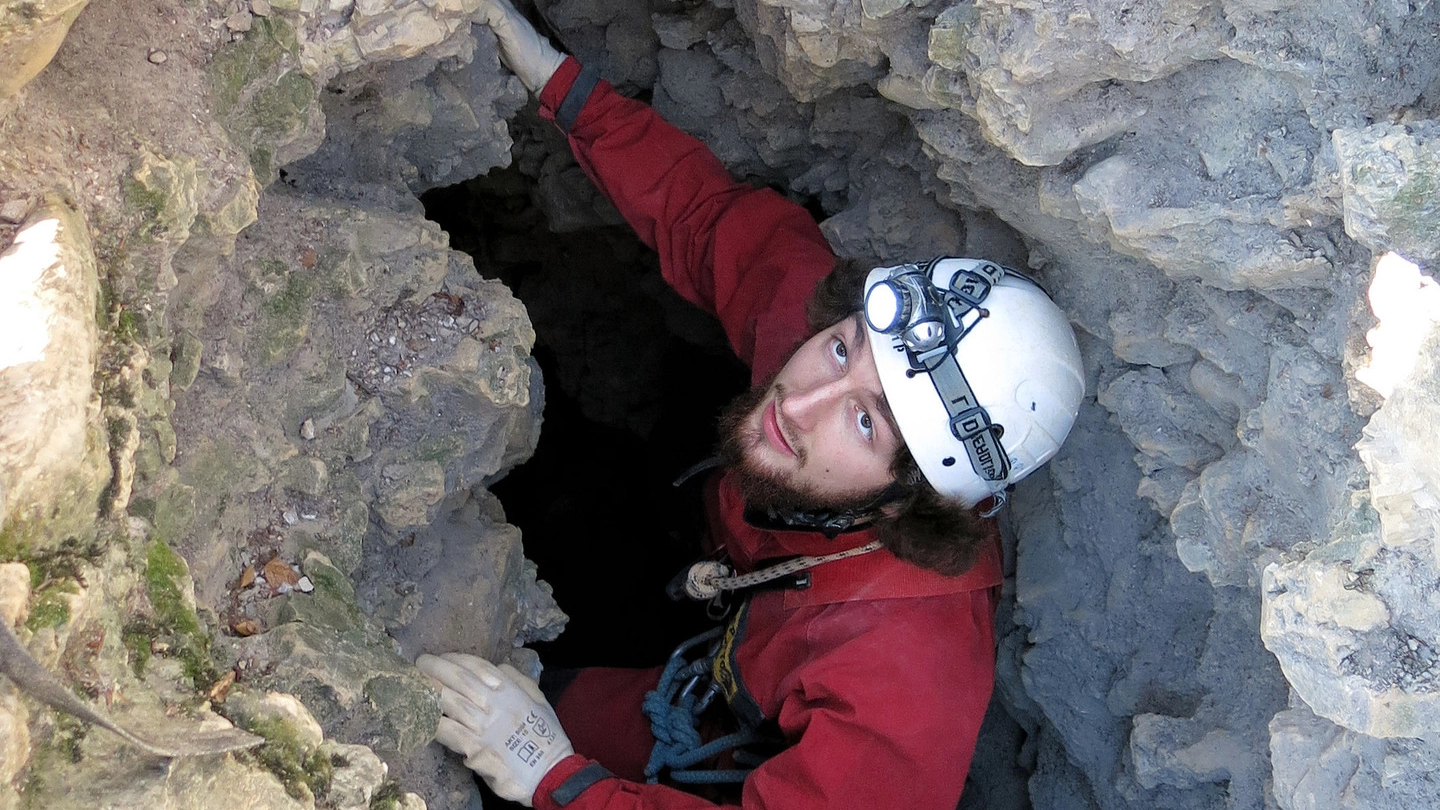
(747, 255)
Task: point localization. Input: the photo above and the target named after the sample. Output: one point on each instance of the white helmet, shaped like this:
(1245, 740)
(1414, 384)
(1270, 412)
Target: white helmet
(979, 367)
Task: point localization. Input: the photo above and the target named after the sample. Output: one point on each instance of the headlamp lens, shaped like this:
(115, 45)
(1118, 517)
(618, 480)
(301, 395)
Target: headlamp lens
(886, 307)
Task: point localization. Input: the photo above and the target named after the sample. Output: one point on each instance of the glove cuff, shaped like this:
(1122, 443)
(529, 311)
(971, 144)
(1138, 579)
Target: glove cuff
(566, 781)
(578, 783)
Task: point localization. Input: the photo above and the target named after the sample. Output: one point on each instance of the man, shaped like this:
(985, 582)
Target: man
(861, 655)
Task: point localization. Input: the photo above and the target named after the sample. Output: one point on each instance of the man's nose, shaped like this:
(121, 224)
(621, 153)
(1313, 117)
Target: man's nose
(805, 408)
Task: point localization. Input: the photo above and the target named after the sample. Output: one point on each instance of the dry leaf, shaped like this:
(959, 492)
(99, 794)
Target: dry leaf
(245, 627)
(278, 572)
(308, 258)
(221, 689)
(455, 303)
(247, 577)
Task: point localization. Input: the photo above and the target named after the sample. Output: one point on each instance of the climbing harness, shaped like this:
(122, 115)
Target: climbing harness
(674, 708)
(708, 579)
(687, 687)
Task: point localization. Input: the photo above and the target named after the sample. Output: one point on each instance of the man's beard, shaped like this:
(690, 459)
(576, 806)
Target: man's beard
(762, 488)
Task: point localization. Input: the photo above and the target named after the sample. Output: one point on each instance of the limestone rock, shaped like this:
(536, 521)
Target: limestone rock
(1350, 58)
(165, 190)
(14, 592)
(15, 741)
(617, 38)
(428, 122)
(51, 451)
(541, 619)
(1190, 436)
(1057, 76)
(125, 781)
(814, 46)
(1165, 754)
(14, 731)
(1231, 246)
(1200, 186)
(407, 491)
(271, 711)
(462, 585)
(1318, 764)
(1389, 174)
(343, 668)
(1350, 622)
(867, 229)
(30, 34)
(355, 782)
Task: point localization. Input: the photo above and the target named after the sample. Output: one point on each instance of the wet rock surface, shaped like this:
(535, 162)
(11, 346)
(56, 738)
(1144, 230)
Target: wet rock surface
(255, 402)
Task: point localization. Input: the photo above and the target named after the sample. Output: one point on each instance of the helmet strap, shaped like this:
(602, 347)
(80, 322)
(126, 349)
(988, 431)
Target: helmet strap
(970, 423)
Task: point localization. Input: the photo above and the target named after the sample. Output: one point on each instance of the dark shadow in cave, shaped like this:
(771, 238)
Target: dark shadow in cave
(630, 404)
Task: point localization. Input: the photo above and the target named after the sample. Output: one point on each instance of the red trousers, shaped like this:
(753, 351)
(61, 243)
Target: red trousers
(600, 711)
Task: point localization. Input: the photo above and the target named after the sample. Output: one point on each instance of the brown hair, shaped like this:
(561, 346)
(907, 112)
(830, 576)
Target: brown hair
(922, 526)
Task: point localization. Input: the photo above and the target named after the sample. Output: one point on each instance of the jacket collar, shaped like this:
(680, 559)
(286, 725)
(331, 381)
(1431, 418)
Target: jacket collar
(878, 575)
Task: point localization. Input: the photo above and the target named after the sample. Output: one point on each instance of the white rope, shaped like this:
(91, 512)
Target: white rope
(708, 579)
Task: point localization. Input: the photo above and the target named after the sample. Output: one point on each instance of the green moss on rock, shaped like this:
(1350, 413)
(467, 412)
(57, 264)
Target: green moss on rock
(263, 102)
(162, 195)
(287, 316)
(270, 40)
(55, 575)
(389, 796)
(136, 637)
(344, 274)
(345, 669)
(283, 108)
(173, 513)
(167, 582)
(49, 606)
(305, 771)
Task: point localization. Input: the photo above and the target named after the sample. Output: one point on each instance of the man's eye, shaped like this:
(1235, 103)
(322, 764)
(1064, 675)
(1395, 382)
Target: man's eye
(867, 427)
(837, 348)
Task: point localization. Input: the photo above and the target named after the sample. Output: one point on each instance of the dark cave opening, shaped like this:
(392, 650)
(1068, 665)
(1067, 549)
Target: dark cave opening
(634, 381)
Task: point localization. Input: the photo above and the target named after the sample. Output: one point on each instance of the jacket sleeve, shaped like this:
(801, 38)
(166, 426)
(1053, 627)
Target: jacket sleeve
(869, 730)
(748, 256)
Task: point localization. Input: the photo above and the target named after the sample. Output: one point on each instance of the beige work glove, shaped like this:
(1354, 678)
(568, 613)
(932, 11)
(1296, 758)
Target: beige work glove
(499, 721)
(522, 49)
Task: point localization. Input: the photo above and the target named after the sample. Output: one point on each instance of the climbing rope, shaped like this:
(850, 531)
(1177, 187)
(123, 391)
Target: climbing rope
(709, 578)
(674, 708)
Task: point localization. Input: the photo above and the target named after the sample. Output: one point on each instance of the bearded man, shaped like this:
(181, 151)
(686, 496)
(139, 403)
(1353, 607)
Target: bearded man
(890, 405)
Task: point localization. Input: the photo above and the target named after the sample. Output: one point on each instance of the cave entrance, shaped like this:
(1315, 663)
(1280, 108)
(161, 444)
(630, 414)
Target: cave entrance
(634, 380)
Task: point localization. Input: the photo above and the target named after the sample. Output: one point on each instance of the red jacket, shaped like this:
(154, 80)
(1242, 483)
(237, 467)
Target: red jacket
(879, 673)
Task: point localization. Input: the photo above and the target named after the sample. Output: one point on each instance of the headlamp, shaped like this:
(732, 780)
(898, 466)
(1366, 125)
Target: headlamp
(910, 306)
(886, 307)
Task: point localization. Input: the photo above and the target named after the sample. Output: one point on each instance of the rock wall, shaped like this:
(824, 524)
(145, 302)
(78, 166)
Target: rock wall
(1220, 589)
(251, 415)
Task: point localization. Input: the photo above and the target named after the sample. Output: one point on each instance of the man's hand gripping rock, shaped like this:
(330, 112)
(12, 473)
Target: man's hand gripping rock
(499, 721)
(522, 49)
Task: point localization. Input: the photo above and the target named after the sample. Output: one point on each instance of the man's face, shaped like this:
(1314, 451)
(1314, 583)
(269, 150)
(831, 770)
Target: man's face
(820, 435)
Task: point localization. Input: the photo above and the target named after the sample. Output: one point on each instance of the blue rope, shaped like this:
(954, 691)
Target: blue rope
(714, 748)
(674, 714)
